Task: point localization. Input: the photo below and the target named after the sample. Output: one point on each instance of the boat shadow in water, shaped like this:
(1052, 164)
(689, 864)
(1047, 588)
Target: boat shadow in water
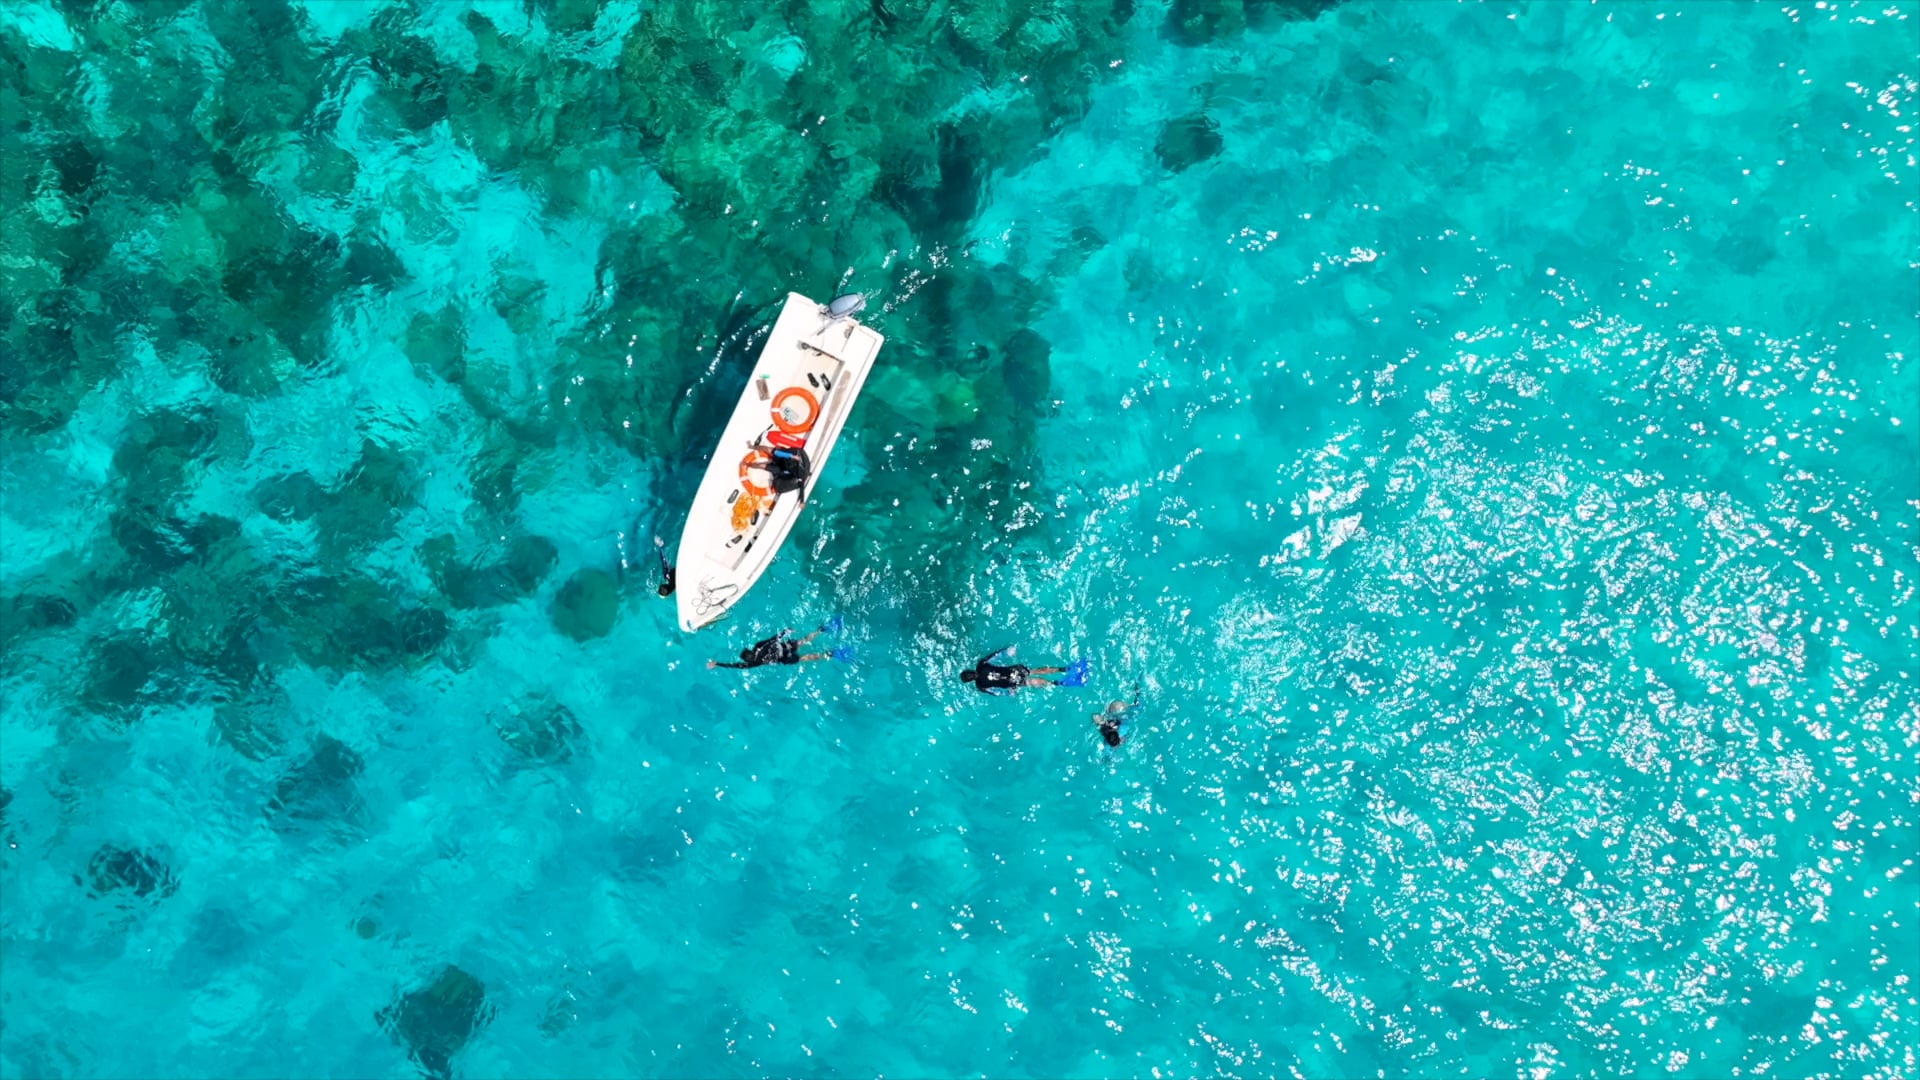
(705, 401)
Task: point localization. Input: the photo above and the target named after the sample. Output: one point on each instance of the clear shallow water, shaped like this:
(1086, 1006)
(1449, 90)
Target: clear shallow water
(1487, 432)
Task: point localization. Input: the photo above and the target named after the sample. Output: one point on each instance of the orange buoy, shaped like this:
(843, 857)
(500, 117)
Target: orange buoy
(780, 412)
(756, 458)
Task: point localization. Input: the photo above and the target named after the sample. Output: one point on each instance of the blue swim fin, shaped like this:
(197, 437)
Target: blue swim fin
(843, 653)
(833, 625)
(1077, 673)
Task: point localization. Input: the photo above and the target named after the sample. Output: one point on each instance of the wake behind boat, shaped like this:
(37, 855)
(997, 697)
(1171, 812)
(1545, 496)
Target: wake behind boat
(773, 450)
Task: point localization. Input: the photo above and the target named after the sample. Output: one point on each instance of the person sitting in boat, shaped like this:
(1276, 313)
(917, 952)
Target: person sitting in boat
(788, 469)
(781, 649)
(991, 678)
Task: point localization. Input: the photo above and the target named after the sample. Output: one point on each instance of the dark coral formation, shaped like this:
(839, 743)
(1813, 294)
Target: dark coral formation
(587, 605)
(435, 1022)
(1201, 22)
(130, 870)
(497, 574)
(122, 672)
(1187, 141)
(322, 787)
(540, 728)
(715, 155)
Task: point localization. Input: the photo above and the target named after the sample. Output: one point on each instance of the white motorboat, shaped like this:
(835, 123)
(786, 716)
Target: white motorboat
(792, 409)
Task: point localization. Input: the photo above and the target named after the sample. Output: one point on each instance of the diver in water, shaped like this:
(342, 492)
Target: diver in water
(781, 649)
(991, 678)
(1114, 716)
(666, 568)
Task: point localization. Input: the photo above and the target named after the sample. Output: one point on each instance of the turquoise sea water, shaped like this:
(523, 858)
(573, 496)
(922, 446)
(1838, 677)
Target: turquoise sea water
(1486, 432)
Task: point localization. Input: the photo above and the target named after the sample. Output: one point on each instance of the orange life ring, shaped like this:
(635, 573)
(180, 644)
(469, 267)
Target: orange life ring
(780, 414)
(756, 458)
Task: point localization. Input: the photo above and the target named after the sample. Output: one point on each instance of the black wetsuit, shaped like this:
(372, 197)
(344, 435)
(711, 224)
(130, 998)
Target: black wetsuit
(989, 677)
(788, 469)
(778, 649)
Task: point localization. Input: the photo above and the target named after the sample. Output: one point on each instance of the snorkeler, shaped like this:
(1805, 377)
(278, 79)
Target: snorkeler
(1114, 716)
(666, 568)
(991, 678)
(781, 649)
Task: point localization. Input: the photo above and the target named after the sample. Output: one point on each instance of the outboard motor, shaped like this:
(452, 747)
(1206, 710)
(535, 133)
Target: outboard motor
(846, 305)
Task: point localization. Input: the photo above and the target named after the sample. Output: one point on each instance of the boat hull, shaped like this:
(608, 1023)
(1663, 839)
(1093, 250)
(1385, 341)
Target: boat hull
(802, 390)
